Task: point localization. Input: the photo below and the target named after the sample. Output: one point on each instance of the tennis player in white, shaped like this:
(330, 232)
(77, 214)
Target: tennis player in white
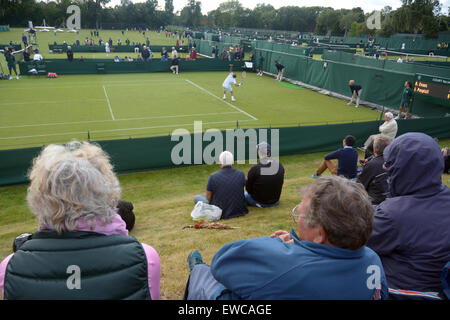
(228, 85)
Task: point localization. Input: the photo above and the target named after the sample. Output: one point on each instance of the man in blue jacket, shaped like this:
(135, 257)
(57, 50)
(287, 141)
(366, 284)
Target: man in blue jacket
(411, 230)
(327, 260)
(347, 160)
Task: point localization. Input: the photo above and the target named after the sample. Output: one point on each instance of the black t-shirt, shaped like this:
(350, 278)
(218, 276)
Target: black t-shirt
(265, 187)
(355, 87)
(175, 61)
(373, 177)
(279, 66)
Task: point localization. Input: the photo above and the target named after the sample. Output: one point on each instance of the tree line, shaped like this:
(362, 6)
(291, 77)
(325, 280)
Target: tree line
(414, 16)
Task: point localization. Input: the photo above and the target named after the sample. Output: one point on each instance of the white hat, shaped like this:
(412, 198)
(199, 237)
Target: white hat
(226, 158)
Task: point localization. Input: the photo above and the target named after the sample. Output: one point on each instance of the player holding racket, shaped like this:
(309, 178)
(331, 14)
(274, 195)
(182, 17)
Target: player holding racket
(228, 84)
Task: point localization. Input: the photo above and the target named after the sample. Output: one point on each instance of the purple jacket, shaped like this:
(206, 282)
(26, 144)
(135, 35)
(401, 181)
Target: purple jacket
(411, 231)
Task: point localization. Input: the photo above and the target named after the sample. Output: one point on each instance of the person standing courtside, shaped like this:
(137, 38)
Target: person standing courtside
(69, 54)
(405, 101)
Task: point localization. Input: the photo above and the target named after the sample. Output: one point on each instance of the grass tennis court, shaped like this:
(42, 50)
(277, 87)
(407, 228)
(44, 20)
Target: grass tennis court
(37, 111)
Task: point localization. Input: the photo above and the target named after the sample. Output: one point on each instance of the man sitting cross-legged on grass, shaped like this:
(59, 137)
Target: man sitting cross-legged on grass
(225, 189)
(265, 180)
(347, 160)
(328, 258)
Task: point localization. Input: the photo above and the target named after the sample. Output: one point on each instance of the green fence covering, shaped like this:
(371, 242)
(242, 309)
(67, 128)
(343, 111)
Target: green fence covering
(382, 81)
(94, 66)
(131, 155)
(386, 64)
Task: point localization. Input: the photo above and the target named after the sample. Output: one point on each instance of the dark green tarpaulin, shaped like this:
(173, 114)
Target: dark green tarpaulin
(131, 155)
(108, 66)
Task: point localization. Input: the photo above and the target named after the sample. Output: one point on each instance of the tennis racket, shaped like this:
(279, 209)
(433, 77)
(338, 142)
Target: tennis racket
(244, 74)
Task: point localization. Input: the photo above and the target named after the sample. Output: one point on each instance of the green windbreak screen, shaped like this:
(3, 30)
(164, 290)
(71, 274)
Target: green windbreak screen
(132, 155)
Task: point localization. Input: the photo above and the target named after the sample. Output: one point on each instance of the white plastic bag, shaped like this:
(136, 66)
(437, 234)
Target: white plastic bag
(207, 212)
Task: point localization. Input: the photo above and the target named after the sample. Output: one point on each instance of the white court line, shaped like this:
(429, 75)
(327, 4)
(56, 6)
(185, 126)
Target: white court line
(74, 85)
(125, 119)
(50, 102)
(109, 104)
(121, 129)
(213, 95)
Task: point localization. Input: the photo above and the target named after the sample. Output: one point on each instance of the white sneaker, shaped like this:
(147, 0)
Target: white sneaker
(224, 97)
(10, 77)
(17, 77)
(233, 99)
(349, 103)
(356, 106)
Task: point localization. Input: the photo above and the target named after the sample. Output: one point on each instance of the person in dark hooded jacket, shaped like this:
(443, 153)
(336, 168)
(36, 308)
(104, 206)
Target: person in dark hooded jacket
(411, 232)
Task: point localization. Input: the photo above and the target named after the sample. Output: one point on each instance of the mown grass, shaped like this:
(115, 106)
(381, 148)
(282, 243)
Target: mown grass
(163, 201)
(46, 38)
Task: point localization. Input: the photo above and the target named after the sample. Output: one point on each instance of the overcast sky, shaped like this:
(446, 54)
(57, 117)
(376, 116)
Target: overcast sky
(366, 5)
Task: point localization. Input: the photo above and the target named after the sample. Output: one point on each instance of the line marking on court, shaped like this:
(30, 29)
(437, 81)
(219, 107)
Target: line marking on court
(121, 129)
(125, 119)
(75, 84)
(109, 104)
(54, 101)
(229, 104)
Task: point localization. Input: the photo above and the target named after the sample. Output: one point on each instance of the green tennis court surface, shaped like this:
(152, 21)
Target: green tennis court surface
(291, 85)
(37, 111)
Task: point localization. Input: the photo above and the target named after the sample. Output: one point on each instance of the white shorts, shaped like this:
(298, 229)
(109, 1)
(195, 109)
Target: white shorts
(229, 89)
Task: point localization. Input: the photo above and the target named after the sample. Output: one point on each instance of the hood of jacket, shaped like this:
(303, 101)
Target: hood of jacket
(415, 164)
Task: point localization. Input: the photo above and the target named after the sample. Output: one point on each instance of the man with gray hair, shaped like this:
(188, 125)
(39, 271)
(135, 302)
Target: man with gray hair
(265, 180)
(225, 188)
(389, 129)
(373, 176)
(328, 258)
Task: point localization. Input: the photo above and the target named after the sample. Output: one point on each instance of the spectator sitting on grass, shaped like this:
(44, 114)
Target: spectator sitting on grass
(373, 176)
(388, 128)
(347, 160)
(411, 231)
(225, 188)
(328, 258)
(81, 249)
(265, 180)
(446, 154)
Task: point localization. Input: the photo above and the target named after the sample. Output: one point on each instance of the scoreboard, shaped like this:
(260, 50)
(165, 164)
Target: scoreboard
(431, 86)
